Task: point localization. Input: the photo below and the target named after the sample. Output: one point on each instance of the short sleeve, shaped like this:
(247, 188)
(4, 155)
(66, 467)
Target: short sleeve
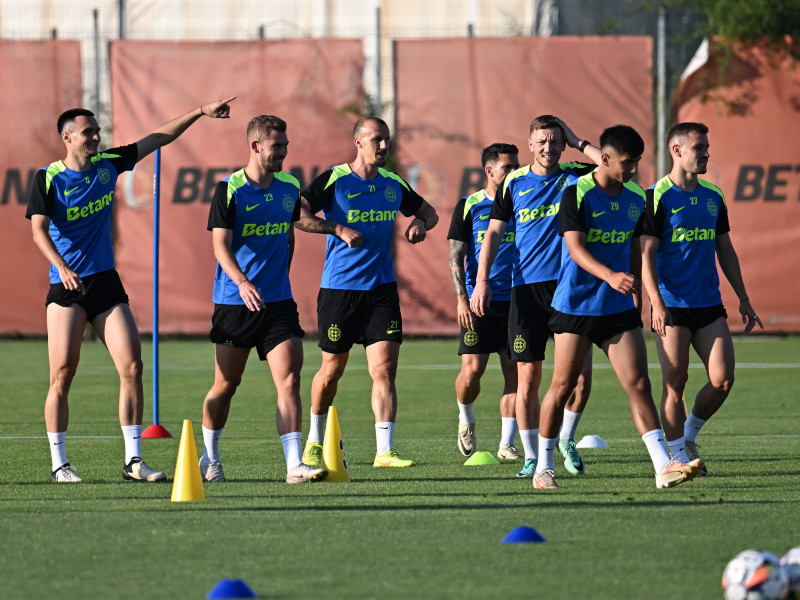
(222, 214)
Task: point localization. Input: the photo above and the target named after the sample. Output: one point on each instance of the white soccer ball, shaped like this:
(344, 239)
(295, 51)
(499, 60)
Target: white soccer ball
(755, 575)
(791, 564)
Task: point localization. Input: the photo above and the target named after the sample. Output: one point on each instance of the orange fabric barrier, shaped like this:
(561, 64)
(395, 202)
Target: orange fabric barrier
(40, 80)
(457, 96)
(752, 114)
(312, 84)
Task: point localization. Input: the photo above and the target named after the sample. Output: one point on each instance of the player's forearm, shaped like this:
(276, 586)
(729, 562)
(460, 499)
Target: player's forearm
(729, 263)
(489, 249)
(427, 214)
(457, 253)
(313, 224)
(43, 241)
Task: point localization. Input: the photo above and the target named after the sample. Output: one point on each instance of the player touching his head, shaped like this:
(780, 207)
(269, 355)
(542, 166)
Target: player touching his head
(684, 231)
(251, 222)
(358, 301)
(594, 304)
(70, 213)
(480, 336)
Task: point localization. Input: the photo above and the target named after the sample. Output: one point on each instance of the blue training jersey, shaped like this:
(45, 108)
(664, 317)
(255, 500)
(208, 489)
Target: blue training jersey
(78, 204)
(532, 202)
(369, 206)
(687, 225)
(469, 224)
(260, 219)
(609, 222)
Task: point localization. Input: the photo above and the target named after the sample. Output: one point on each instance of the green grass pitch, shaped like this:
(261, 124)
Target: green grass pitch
(432, 531)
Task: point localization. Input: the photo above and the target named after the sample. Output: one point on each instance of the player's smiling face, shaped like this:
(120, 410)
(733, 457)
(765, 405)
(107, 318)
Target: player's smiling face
(692, 154)
(83, 138)
(373, 144)
(547, 146)
(273, 150)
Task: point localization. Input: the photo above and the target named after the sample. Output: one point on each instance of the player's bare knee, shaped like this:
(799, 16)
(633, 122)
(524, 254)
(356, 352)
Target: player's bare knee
(131, 371)
(61, 378)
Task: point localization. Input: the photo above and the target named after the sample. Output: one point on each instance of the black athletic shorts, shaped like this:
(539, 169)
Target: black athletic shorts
(528, 329)
(694, 318)
(347, 317)
(104, 291)
(599, 329)
(491, 331)
(238, 326)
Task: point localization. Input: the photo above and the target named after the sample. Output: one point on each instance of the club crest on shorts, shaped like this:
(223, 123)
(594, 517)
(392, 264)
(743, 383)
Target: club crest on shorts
(334, 333)
(470, 338)
(519, 344)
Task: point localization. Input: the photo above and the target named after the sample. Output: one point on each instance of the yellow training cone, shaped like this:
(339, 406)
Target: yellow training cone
(333, 450)
(188, 485)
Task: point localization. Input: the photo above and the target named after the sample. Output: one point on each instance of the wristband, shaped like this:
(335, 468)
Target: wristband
(582, 145)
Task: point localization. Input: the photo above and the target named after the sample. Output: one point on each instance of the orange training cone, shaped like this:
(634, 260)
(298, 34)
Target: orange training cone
(187, 485)
(333, 450)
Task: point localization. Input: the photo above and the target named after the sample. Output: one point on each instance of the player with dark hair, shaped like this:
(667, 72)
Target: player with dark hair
(529, 198)
(70, 213)
(684, 232)
(481, 336)
(358, 301)
(594, 302)
(251, 223)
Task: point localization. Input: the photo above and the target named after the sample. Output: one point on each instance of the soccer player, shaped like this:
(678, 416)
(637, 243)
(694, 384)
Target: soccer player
(481, 336)
(594, 301)
(685, 228)
(70, 213)
(529, 198)
(251, 223)
(358, 301)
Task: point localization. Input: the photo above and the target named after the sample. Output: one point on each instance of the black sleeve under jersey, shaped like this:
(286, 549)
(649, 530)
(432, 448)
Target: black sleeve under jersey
(316, 194)
(571, 217)
(652, 220)
(582, 168)
(39, 202)
(503, 205)
(123, 158)
(411, 201)
(296, 213)
(460, 229)
(222, 214)
(723, 226)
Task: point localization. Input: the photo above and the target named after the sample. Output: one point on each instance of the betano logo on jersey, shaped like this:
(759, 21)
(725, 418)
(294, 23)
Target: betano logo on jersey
(265, 229)
(608, 237)
(95, 206)
(548, 210)
(508, 237)
(681, 234)
(369, 216)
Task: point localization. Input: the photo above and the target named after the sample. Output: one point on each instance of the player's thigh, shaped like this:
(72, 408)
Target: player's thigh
(627, 353)
(65, 326)
(117, 329)
(382, 359)
(569, 358)
(673, 354)
(229, 364)
(285, 360)
(714, 345)
(474, 364)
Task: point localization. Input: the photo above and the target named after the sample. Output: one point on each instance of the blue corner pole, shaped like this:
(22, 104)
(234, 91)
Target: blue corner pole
(156, 233)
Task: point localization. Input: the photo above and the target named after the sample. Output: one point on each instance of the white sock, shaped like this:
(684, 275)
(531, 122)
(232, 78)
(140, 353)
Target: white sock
(546, 448)
(58, 450)
(292, 450)
(384, 434)
(692, 427)
(466, 413)
(677, 448)
(654, 440)
(211, 444)
(508, 431)
(133, 441)
(316, 432)
(569, 425)
(530, 438)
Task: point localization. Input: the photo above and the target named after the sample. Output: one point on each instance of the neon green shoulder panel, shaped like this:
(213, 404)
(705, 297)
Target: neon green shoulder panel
(711, 186)
(635, 188)
(338, 171)
(584, 184)
(235, 181)
(100, 156)
(568, 165)
(476, 198)
(513, 175)
(391, 175)
(52, 170)
(663, 185)
(287, 178)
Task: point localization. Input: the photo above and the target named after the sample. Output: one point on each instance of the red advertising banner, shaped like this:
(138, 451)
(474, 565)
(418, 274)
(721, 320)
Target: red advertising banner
(312, 84)
(750, 102)
(40, 80)
(457, 96)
